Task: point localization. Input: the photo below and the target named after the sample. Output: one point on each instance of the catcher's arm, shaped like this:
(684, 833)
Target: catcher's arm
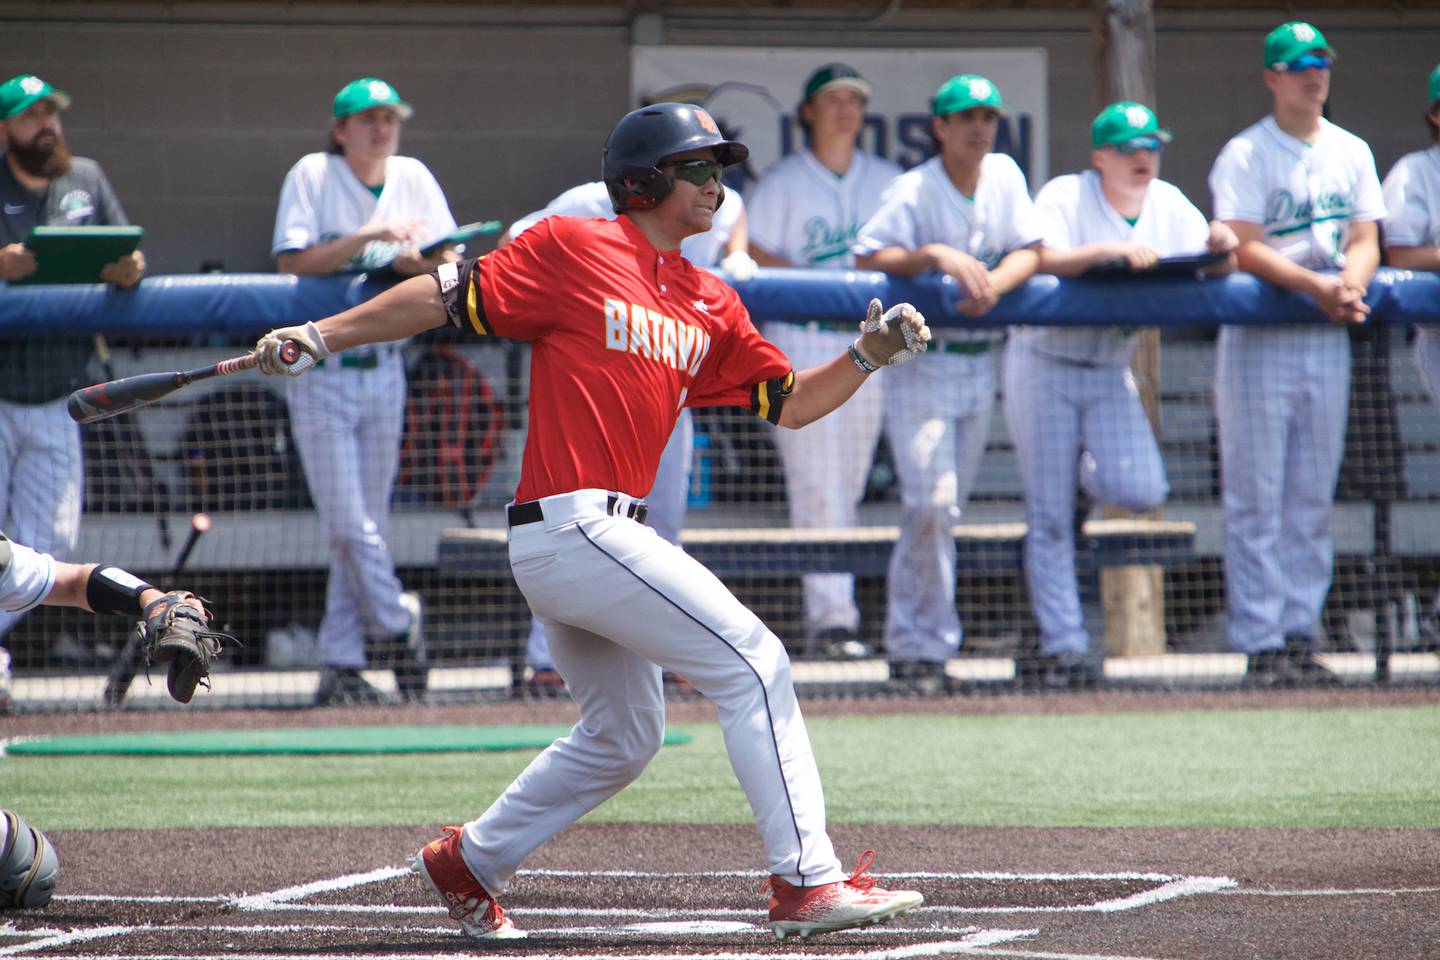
(72, 579)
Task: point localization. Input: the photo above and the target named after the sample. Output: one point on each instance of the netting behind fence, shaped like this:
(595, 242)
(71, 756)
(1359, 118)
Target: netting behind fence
(447, 420)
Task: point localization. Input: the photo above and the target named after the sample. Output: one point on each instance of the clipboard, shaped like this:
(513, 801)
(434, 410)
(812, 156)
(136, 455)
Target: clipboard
(77, 254)
(1168, 267)
(462, 234)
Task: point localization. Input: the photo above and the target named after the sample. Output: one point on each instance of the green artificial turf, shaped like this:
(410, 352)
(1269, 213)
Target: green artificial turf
(1241, 768)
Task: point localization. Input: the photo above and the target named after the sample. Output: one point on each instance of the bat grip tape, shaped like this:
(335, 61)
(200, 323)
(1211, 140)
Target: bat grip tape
(112, 589)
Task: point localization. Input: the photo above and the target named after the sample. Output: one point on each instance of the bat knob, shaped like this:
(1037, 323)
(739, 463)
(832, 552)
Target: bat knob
(290, 352)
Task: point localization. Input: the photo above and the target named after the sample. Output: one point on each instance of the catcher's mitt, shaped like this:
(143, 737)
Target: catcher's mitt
(177, 632)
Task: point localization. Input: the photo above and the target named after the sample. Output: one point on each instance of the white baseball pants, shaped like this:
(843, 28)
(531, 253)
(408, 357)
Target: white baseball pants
(347, 423)
(826, 465)
(1056, 410)
(1282, 396)
(666, 503)
(619, 603)
(42, 481)
(937, 415)
(1427, 363)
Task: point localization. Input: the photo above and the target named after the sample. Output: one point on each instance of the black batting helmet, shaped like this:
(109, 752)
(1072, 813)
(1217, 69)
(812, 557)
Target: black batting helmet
(646, 136)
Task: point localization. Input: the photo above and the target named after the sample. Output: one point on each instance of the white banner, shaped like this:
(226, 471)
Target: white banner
(754, 92)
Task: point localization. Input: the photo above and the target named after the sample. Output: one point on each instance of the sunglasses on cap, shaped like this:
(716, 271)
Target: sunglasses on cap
(1129, 147)
(1309, 61)
(696, 171)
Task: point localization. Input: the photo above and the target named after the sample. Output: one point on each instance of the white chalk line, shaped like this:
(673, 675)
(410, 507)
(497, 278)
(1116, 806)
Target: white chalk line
(899, 875)
(1331, 892)
(261, 901)
(969, 944)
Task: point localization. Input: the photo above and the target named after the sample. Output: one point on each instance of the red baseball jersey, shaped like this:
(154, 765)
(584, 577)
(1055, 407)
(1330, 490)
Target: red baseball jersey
(622, 337)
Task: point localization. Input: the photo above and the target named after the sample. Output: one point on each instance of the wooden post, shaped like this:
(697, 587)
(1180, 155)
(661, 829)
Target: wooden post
(1133, 597)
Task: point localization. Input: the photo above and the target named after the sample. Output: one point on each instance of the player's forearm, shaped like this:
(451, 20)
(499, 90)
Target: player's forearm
(323, 259)
(404, 310)
(71, 580)
(1074, 261)
(1362, 254)
(899, 261)
(1254, 256)
(1414, 258)
(765, 258)
(1015, 268)
(819, 390)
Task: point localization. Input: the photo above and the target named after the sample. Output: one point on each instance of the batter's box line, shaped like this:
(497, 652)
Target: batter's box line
(973, 943)
(1170, 887)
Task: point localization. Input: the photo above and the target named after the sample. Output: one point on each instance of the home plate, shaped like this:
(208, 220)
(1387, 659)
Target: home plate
(703, 928)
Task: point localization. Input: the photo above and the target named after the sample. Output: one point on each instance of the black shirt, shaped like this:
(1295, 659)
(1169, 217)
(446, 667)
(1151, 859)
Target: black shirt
(40, 369)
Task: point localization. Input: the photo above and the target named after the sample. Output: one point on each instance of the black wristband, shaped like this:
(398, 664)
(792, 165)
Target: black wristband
(111, 589)
(860, 360)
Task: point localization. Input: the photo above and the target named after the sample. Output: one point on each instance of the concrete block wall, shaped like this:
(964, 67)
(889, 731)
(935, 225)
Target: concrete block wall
(196, 121)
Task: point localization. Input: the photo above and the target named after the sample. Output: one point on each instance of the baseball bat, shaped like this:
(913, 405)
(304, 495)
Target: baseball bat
(104, 400)
(127, 664)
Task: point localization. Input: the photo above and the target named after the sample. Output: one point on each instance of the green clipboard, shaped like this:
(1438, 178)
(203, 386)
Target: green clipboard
(463, 234)
(77, 254)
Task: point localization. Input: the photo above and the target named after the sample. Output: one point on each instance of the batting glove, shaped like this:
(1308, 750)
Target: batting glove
(893, 337)
(267, 352)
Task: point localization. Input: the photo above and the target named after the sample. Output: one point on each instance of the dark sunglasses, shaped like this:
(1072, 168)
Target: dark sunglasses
(1129, 147)
(1310, 61)
(696, 171)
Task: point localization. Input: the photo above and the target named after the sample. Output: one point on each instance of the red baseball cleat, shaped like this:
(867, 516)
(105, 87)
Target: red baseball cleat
(855, 902)
(440, 865)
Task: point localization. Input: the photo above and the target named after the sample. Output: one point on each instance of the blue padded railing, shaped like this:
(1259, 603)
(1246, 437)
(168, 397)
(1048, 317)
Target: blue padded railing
(244, 304)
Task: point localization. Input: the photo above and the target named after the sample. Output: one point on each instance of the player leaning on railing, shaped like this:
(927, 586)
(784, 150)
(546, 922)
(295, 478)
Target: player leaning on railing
(624, 333)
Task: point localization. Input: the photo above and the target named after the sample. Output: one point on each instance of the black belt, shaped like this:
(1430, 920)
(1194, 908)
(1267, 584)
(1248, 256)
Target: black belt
(519, 514)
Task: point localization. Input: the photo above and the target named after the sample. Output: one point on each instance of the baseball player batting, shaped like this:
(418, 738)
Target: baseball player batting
(1412, 242)
(723, 244)
(1303, 197)
(1069, 392)
(965, 212)
(804, 212)
(625, 333)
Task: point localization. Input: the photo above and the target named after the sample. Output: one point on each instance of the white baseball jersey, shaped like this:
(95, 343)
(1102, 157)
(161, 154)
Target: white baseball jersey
(1075, 213)
(801, 211)
(26, 576)
(1412, 204)
(593, 200)
(322, 200)
(1306, 196)
(923, 206)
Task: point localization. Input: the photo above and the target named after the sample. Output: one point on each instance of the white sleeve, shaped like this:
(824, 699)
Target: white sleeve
(1235, 186)
(296, 221)
(1055, 210)
(1369, 199)
(893, 225)
(1025, 218)
(436, 210)
(1407, 220)
(586, 200)
(1191, 231)
(765, 213)
(26, 578)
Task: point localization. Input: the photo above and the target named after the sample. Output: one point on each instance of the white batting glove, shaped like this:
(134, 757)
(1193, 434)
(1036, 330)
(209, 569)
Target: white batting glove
(739, 265)
(896, 336)
(307, 338)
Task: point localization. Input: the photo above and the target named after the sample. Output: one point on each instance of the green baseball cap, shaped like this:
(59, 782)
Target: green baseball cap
(18, 93)
(1291, 40)
(836, 75)
(965, 92)
(1125, 121)
(1435, 84)
(367, 92)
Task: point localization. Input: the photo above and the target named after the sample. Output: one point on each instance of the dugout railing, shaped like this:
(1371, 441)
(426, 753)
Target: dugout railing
(224, 447)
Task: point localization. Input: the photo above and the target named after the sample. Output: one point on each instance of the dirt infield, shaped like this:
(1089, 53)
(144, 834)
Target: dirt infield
(634, 891)
(666, 891)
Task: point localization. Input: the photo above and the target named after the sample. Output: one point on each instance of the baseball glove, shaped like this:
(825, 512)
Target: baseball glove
(176, 631)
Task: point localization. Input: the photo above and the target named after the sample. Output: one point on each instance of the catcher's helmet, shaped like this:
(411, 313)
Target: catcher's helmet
(646, 136)
(28, 866)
